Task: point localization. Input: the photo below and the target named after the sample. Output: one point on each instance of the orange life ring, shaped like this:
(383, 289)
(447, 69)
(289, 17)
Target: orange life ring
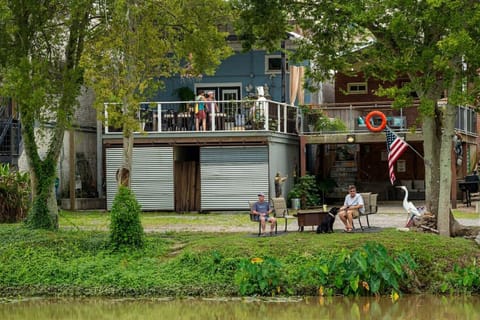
(382, 125)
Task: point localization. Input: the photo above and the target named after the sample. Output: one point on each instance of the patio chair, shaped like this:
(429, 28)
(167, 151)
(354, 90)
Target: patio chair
(281, 210)
(256, 218)
(370, 205)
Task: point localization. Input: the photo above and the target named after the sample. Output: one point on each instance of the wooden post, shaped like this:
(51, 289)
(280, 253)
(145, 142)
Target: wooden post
(72, 168)
(453, 194)
(303, 158)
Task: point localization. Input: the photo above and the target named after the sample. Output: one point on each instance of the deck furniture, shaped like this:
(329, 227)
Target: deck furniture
(281, 210)
(370, 205)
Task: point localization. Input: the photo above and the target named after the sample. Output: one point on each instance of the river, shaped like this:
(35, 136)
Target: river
(407, 307)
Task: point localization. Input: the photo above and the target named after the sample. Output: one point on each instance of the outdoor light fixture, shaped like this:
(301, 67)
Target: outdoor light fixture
(350, 138)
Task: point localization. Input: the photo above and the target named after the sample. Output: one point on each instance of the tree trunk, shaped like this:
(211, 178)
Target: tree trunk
(443, 220)
(431, 159)
(127, 159)
(459, 230)
(44, 211)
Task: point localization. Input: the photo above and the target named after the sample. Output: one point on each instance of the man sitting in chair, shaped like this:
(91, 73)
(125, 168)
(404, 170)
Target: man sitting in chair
(263, 209)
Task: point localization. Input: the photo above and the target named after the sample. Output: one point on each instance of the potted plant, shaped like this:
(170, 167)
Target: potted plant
(317, 120)
(185, 94)
(306, 190)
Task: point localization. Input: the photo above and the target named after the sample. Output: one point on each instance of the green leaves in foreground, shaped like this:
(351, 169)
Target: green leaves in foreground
(462, 280)
(259, 276)
(366, 271)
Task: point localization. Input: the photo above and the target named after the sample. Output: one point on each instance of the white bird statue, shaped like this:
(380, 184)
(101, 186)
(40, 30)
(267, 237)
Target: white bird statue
(409, 207)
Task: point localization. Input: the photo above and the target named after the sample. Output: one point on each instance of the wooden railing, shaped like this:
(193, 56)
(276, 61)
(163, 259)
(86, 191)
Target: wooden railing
(353, 115)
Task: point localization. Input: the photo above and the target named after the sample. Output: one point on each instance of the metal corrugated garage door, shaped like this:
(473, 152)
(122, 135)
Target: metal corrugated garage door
(230, 176)
(152, 176)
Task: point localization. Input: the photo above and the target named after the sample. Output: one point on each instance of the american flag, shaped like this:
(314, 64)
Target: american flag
(395, 147)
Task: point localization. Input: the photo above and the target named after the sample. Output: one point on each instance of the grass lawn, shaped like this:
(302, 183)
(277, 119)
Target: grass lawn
(77, 260)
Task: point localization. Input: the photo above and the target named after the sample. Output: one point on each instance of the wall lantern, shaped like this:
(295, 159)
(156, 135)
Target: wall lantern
(350, 138)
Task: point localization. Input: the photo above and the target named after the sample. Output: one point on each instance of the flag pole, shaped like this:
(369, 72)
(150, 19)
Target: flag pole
(408, 144)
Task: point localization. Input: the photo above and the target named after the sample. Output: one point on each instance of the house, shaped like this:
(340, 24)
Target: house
(177, 169)
(252, 137)
(359, 156)
(79, 142)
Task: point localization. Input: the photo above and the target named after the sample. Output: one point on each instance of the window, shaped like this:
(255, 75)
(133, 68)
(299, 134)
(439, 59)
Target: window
(357, 87)
(273, 64)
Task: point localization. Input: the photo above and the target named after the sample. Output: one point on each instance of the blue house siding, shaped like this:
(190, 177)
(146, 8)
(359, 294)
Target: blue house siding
(245, 69)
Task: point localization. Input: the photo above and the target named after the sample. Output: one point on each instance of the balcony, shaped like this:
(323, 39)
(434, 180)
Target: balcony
(401, 120)
(235, 115)
(272, 116)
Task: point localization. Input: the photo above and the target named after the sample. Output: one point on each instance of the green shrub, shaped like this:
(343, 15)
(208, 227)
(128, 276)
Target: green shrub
(126, 229)
(306, 190)
(14, 194)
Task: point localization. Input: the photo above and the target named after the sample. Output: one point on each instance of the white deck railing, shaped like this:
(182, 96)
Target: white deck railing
(236, 115)
(268, 115)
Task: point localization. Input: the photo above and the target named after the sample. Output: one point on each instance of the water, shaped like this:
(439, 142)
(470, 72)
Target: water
(409, 307)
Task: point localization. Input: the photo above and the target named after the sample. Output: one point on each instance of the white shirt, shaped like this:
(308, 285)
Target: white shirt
(354, 201)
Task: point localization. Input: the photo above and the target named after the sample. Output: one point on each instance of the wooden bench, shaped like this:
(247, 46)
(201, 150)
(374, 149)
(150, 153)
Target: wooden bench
(370, 205)
(256, 218)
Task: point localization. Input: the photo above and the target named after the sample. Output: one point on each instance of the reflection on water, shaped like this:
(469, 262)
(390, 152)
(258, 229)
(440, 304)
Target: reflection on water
(409, 307)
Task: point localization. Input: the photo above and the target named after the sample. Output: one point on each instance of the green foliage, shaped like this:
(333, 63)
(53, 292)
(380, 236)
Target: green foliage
(81, 263)
(185, 94)
(306, 190)
(320, 121)
(432, 43)
(252, 26)
(39, 216)
(462, 279)
(259, 277)
(326, 185)
(369, 270)
(42, 75)
(148, 43)
(126, 229)
(14, 194)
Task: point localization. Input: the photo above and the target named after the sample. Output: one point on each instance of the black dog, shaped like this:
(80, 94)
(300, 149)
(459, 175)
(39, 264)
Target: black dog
(327, 222)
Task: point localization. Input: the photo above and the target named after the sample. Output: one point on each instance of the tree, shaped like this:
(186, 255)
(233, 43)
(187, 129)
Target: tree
(433, 42)
(143, 41)
(42, 42)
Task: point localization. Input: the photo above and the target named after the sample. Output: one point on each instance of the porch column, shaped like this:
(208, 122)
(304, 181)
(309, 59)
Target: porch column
(303, 157)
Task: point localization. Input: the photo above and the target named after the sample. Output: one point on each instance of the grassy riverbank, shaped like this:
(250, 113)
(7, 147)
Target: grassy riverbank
(79, 262)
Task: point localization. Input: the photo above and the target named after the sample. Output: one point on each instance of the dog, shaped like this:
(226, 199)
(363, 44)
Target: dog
(326, 226)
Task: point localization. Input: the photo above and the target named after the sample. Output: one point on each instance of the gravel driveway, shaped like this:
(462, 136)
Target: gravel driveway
(390, 215)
